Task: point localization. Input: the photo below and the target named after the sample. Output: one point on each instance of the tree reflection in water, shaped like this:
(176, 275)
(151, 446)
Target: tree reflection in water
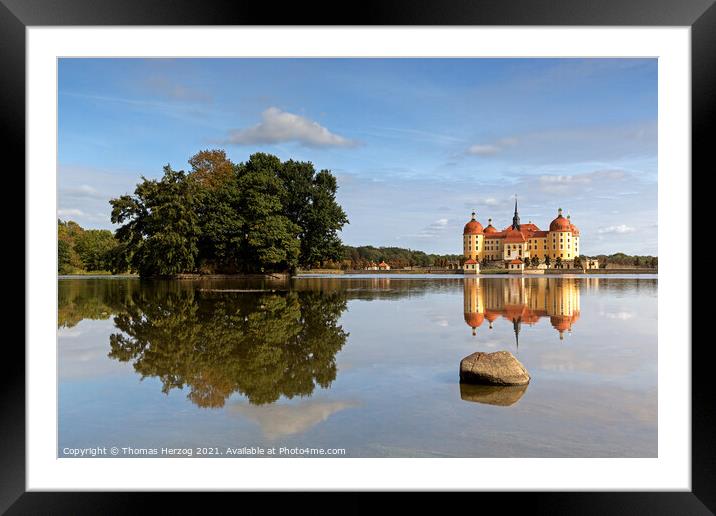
(262, 345)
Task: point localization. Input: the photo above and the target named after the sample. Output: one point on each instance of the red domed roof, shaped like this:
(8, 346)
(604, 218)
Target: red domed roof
(561, 322)
(491, 316)
(474, 319)
(473, 227)
(560, 223)
(490, 228)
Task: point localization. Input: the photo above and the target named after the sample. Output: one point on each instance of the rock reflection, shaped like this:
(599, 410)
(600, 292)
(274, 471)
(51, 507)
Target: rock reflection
(503, 396)
(261, 345)
(521, 301)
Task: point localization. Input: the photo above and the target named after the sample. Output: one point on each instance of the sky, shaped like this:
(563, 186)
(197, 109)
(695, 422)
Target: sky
(416, 144)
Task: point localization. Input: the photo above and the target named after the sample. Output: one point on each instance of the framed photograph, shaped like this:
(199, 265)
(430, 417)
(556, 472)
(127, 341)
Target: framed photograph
(420, 249)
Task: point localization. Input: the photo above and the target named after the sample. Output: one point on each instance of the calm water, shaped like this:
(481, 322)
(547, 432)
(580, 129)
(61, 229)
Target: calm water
(365, 364)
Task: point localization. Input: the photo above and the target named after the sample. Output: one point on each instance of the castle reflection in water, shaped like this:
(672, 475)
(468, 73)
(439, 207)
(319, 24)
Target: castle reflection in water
(521, 301)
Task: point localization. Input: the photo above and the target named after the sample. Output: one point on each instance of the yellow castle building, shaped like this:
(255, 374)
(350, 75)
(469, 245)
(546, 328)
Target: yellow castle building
(521, 301)
(519, 242)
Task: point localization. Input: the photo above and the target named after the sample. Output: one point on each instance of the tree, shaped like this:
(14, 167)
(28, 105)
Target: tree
(211, 168)
(309, 200)
(222, 228)
(558, 263)
(577, 262)
(94, 247)
(547, 260)
(637, 262)
(535, 260)
(68, 258)
(271, 238)
(160, 230)
(64, 250)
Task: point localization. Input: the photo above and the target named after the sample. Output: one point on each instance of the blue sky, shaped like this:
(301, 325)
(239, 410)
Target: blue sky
(416, 144)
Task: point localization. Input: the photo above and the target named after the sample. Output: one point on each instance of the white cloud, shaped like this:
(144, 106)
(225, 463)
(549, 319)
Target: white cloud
(279, 126)
(565, 183)
(483, 149)
(433, 229)
(82, 192)
(590, 177)
(71, 212)
(619, 229)
(489, 149)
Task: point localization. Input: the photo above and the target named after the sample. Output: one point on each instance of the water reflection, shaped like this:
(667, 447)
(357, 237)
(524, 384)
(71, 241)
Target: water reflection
(263, 345)
(521, 301)
(390, 388)
(269, 339)
(503, 396)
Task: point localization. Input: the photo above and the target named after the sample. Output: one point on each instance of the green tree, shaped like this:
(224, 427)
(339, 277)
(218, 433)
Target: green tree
(271, 238)
(558, 262)
(160, 230)
(547, 260)
(222, 228)
(64, 250)
(577, 262)
(535, 261)
(309, 200)
(67, 235)
(94, 247)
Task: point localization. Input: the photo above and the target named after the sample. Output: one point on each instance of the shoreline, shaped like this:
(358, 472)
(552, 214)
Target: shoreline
(283, 276)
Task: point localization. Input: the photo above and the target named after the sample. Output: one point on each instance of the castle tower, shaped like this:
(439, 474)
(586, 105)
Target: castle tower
(472, 239)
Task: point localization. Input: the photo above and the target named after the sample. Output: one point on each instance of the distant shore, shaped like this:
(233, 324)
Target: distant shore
(281, 276)
(547, 272)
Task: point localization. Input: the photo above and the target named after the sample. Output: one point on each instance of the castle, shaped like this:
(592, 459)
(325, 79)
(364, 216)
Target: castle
(518, 243)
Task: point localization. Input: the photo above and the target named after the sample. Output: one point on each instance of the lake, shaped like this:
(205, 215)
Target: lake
(356, 366)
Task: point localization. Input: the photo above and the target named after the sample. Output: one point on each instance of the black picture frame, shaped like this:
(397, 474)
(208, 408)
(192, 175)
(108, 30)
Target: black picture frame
(700, 15)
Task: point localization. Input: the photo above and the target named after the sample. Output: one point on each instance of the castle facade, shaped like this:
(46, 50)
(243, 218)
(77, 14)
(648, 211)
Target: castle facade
(520, 242)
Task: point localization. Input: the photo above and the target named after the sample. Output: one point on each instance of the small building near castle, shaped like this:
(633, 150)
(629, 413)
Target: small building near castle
(384, 266)
(515, 266)
(471, 266)
(522, 242)
(591, 264)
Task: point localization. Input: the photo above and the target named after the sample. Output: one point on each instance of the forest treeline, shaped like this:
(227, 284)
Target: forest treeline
(397, 257)
(82, 250)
